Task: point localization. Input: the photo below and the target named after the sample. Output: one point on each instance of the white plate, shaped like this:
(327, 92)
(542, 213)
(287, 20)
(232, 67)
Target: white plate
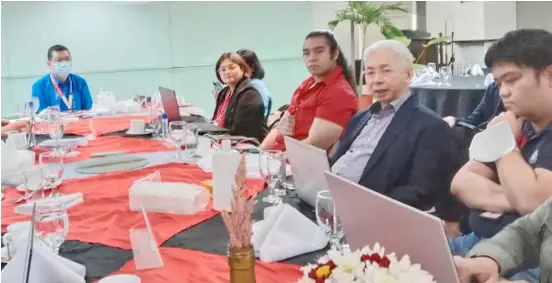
(121, 278)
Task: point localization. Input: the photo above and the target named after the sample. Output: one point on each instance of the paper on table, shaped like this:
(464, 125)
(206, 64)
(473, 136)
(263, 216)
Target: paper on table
(46, 267)
(68, 200)
(493, 143)
(286, 233)
(144, 247)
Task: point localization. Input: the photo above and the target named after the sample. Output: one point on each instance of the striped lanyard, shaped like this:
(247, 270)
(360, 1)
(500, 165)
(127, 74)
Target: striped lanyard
(68, 102)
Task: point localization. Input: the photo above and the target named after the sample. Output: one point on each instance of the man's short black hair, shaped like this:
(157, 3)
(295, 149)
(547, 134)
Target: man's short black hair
(57, 48)
(530, 48)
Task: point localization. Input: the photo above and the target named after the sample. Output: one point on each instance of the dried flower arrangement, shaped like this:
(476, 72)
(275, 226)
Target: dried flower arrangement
(238, 221)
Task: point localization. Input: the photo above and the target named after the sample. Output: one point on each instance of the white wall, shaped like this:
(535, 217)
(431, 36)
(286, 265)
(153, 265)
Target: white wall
(133, 47)
(534, 14)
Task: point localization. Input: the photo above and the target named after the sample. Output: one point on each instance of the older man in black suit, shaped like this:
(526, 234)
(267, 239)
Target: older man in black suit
(397, 147)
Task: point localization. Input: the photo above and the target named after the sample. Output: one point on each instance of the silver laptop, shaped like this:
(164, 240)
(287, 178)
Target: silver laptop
(308, 164)
(368, 217)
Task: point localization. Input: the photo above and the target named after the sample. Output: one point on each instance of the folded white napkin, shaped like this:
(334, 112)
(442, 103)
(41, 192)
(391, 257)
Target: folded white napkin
(493, 143)
(489, 79)
(65, 142)
(166, 197)
(46, 267)
(13, 161)
(286, 233)
(476, 70)
(423, 80)
(67, 200)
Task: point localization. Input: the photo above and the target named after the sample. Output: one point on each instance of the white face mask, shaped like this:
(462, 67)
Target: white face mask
(63, 68)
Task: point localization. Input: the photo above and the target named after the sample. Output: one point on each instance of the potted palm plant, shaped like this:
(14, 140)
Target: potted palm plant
(364, 14)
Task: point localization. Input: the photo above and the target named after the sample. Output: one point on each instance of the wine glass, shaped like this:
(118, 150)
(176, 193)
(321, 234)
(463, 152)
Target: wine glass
(55, 130)
(32, 106)
(431, 69)
(177, 132)
(52, 168)
(446, 73)
(32, 180)
(52, 224)
(269, 167)
(327, 219)
(286, 184)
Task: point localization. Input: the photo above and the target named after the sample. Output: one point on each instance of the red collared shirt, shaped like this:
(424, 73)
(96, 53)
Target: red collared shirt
(333, 99)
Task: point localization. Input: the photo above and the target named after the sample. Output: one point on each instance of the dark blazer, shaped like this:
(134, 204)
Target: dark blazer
(414, 161)
(245, 113)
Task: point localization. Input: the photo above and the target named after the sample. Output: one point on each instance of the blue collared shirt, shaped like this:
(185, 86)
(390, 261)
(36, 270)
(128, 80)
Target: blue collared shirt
(47, 95)
(263, 91)
(351, 165)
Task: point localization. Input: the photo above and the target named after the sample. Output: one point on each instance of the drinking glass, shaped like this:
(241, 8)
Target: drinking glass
(327, 219)
(55, 130)
(192, 138)
(32, 180)
(431, 69)
(282, 185)
(446, 73)
(269, 167)
(53, 114)
(177, 132)
(155, 124)
(52, 168)
(52, 224)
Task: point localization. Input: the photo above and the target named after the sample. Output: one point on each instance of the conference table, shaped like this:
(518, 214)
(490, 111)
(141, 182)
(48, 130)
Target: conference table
(458, 99)
(193, 247)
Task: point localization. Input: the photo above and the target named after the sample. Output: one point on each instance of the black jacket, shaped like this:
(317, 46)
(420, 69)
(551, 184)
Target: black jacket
(413, 162)
(245, 113)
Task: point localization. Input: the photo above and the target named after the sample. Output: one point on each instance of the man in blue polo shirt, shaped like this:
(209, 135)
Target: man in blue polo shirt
(60, 87)
(519, 181)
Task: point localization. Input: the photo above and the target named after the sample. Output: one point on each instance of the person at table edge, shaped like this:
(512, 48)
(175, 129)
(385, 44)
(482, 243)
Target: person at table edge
(520, 245)
(60, 86)
(397, 147)
(240, 107)
(519, 181)
(324, 103)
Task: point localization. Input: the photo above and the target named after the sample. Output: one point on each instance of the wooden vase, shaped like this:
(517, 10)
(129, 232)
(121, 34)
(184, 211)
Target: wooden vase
(242, 264)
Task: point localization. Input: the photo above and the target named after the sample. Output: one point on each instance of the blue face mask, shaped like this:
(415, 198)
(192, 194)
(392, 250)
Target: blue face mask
(63, 68)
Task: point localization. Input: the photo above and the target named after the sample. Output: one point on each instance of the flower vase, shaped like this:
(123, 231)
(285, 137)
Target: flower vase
(242, 264)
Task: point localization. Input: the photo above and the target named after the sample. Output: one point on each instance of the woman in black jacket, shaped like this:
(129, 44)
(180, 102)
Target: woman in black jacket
(240, 107)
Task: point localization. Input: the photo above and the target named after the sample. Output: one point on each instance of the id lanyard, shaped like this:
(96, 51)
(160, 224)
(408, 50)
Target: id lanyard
(66, 101)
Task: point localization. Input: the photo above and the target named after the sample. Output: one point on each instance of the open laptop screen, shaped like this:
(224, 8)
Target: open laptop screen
(170, 104)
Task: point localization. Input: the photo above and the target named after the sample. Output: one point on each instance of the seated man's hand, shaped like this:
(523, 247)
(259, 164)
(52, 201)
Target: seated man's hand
(19, 126)
(479, 269)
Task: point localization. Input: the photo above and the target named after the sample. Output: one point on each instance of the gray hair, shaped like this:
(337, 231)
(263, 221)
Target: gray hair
(403, 54)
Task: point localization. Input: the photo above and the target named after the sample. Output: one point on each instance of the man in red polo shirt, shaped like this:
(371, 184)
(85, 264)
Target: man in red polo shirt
(324, 103)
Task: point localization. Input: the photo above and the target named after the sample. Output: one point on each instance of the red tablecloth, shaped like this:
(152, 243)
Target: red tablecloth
(102, 125)
(188, 266)
(114, 143)
(104, 216)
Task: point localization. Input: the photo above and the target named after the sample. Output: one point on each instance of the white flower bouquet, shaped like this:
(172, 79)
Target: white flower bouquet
(364, 266)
